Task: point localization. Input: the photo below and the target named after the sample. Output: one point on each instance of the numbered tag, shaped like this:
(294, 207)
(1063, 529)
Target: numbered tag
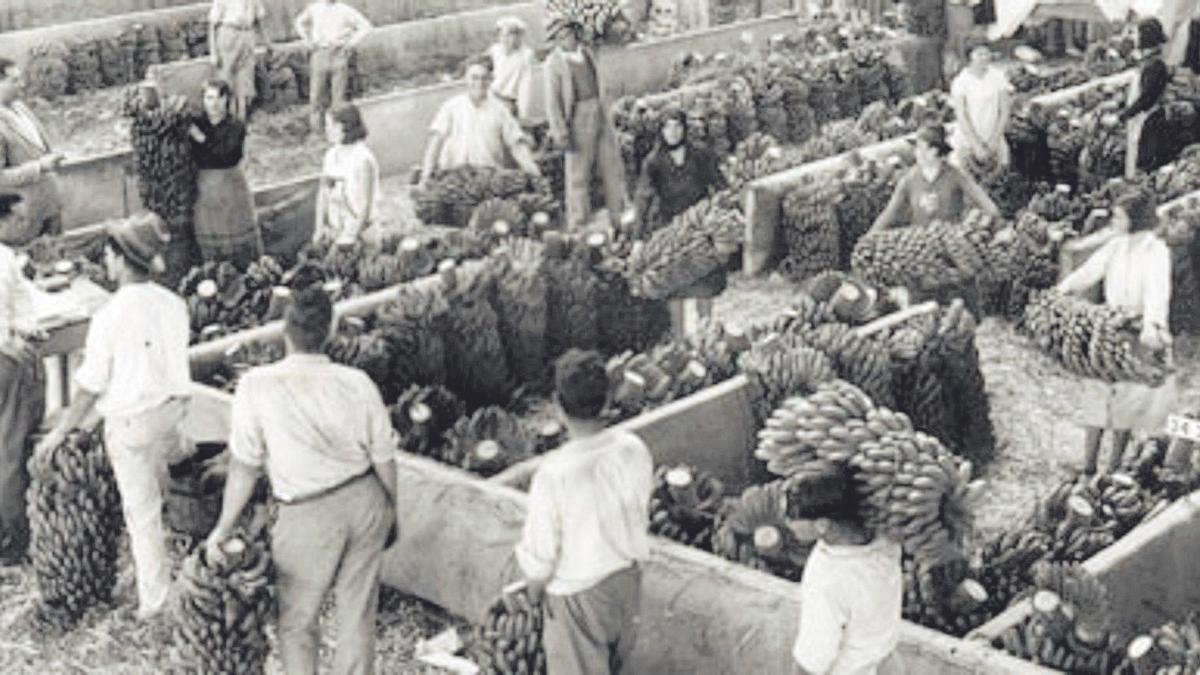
(1183, 427)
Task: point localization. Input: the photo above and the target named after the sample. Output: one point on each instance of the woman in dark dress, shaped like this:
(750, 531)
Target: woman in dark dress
(224, 221)
(675, 176)
(1150, 142)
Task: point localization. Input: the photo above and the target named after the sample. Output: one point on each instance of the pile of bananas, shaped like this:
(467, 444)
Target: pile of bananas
(520, 299)
(510, 639)
(1068, 630)
(626, 322)
(1103, 154)
(451, 196)
(942, 597)
(1089, 339)
(1004, 567)
(811, 231)
(696, 244)
(574, 293)
(602, 20)
(783, 365)
(667, 372)
(753, 530)
(1085, 515)
(475, 364)
(413, 324)
(929, 256)
(489, 441)
(224, 609)
(911, 487)
(685, 504)
(862, 361)
(1166, 468)
(1168, 649)
(1178, 178)
(162, 156)
(369, 351)
(223, 300)
(75, 527)
(862, 194)
(421, 417)
(1030, 81)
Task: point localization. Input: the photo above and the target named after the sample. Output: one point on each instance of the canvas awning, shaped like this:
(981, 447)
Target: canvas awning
(1012, 14)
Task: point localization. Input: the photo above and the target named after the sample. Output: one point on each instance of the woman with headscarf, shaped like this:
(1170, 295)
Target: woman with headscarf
(675, 176)
(1135, 268)
(1150, 143)
(225, 225)
(512, 68)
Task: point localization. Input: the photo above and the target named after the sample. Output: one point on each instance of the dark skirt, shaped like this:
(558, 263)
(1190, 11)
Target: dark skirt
(224, 225)
(22, 404)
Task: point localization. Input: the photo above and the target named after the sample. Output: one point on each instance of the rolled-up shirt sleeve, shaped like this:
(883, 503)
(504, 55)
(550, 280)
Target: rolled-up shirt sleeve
(96, 371)
(537, 553)
(1090, 272)
(246, 442)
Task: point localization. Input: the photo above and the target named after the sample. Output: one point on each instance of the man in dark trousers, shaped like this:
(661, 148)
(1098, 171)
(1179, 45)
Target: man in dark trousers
(586, 529)
(322, 434)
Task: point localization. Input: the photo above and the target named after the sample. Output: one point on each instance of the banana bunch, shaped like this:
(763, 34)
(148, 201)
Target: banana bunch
(497, 219)
(1167, 469)
(696, 244)
(520, 300)
(626, 322)
(475, 365)
(450, 198)
(684, 505)
(241, 358)
(573, 296)
(224, 609)
(422, 416)
(1004, 567)
(1086, 515)
(1059, 205)
(489, 441)
(862, 361)
(783, 365)
(75, 526)
(1179, 177)
(1089, 339)
(369, 352)
(862, 194)
(49, 72)
(162, 158)
(753, 530)
(938, 254)
(1170, 649)
(942, 597)
(811, 229)
(510, 639)
(910, 486)
(1068, 630)
(597, 17)
(646, 380)
(414, 325)
(1103, 153)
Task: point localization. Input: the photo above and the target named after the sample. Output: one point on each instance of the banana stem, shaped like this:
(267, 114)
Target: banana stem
(895, 318)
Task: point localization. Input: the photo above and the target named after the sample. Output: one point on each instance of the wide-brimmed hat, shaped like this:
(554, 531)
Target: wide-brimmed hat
(142, 239)
(935, 136)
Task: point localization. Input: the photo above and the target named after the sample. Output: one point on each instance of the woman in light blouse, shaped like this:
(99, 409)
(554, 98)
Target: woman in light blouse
(1135, 267)
(349, 195)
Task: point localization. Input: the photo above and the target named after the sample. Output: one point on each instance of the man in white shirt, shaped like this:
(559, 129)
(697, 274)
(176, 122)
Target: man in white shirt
(512, 68)
(27, 162)
(324, 437)
(135, 372)
(586, 529)
(331, 29)
(22, 388)
(982, 99)
(475, 129)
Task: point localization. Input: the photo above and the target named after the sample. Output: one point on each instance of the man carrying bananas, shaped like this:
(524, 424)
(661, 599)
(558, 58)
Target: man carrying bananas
(135, 372)
(852, 590)
(587, 529)
(326, 441)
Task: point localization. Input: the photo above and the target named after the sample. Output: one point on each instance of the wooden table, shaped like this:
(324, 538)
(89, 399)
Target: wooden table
(65, 315)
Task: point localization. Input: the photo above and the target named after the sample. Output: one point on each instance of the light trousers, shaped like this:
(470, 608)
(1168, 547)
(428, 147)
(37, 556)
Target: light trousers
(139, 447)
(329, 73)
(593, 149)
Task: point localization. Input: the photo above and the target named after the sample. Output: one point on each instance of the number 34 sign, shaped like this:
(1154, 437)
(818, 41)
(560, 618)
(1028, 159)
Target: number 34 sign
(1184, 427)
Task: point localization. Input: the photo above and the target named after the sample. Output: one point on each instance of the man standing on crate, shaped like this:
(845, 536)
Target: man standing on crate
(331, 29)
(586, 529)
(326, 441)
(232, 28)
(135, 372)
(22, 387)
(27, 163)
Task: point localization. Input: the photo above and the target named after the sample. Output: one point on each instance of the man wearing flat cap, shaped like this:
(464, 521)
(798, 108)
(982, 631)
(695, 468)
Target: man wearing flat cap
(579, 125)
(135, 372)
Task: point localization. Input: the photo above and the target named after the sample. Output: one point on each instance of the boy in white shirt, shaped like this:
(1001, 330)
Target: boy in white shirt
(135, 372)
(331, 29)
(852, 590)
(586, 529)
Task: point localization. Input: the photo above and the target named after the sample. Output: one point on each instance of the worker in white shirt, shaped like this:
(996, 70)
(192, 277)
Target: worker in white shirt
(331, 29)
(324, 437)
(852, 589)
(586, 529)
(235, 27)
(475, 129)
(22, 388)
(512, 68)
(135, 372)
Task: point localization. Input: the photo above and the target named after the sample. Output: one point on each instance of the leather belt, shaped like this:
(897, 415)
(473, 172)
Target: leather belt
(326, 491)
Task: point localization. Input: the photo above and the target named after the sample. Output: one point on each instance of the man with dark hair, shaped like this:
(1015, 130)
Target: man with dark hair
(135, 372)
(475, 129)
(586, 529)
(852, 590)
(324, 438)
(22, 388)
(26, 160)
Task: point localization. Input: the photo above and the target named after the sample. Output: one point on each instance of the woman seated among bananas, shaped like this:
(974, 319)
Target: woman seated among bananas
(674, 177)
